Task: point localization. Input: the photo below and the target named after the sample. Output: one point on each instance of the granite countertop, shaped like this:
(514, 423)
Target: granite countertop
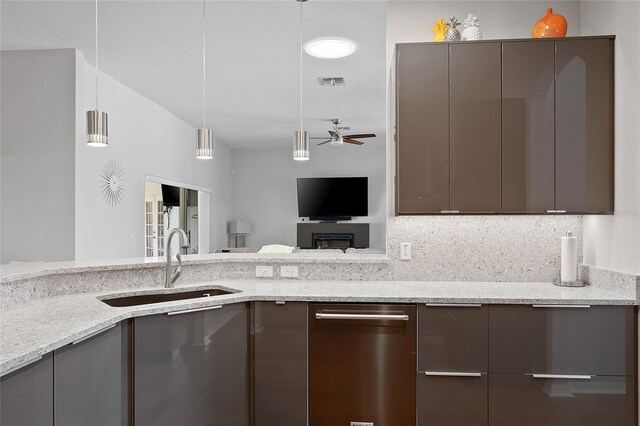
(25, 270)
(33, 329)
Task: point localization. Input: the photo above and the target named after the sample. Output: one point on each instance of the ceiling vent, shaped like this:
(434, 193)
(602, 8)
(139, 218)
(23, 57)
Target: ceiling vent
(332, 81)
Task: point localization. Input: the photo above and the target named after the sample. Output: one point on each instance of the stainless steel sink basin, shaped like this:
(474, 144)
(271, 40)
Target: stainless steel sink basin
(145, 299)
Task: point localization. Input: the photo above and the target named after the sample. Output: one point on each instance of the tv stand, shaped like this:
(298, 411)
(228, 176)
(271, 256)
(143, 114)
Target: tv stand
(329, 219)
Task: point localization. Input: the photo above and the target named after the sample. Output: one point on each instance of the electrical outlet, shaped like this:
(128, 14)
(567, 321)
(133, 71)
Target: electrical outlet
(289, 271)
(264, 271)
(405, 251)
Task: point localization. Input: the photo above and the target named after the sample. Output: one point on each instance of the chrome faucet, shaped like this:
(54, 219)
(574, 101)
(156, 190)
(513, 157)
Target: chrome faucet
(170, 277)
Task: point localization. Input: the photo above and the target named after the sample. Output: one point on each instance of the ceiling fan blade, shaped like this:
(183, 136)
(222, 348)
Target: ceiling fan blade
(353, 141)
(363, 135)
(322, 143)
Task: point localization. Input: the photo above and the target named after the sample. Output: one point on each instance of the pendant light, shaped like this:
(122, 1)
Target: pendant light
(301, 137)
(204, 147)
(97, 126)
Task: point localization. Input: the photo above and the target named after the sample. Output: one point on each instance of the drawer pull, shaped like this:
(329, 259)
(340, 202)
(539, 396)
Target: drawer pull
(186, 311)
(451, 374)
(453, 305)
(561, 306)
(95, 333)
(562, 376)
(391, 317)
(280, 302)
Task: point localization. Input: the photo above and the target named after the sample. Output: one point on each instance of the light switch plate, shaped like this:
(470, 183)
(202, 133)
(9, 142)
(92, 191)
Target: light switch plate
(289, 271)
(405, 251)
(264, 271)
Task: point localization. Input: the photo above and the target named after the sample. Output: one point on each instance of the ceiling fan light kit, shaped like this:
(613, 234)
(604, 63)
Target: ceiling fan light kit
(97, 123)
(339, 138)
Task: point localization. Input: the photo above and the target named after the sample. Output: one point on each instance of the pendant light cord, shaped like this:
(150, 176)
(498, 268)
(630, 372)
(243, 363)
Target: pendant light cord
(97, 71)
(301, 1)
(204, 64)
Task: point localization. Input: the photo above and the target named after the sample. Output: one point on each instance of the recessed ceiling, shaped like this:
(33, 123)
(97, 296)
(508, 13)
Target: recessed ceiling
(252, 59)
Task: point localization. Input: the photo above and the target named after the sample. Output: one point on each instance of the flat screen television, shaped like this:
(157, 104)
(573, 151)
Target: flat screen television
(170, 196)
(333, 198)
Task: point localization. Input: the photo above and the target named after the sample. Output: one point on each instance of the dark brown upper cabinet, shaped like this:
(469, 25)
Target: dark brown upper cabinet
(527, 126)
(584, 125)
(505, 126)
(475, 127)
(422, 77)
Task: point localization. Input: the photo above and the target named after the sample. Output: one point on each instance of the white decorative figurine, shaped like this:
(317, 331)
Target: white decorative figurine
(471, 28)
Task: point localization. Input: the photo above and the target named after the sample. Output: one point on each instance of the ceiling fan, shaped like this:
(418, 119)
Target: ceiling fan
(338, 137)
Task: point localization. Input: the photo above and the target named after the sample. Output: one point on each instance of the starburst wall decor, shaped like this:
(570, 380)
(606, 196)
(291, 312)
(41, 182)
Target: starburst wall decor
(112, 182)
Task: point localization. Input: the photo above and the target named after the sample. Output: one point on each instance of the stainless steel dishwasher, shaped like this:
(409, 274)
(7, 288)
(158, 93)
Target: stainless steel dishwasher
(362, 365)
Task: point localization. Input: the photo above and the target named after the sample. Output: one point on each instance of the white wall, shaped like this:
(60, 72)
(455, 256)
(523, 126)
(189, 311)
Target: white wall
(264, 188)
(489, 244)
(613, 242)
(146, 139)
(38, 154)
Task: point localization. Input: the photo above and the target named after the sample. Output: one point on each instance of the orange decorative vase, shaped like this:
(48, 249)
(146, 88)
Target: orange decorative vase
(550, 25)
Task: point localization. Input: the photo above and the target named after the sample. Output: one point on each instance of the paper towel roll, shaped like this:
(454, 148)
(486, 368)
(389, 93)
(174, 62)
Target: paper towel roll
(569, 258)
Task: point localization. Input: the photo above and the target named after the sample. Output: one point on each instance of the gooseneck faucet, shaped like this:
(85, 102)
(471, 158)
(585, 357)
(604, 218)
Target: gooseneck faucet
(170, 277)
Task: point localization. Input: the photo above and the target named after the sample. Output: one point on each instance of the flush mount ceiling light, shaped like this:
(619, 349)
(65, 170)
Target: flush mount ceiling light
(330, 48)
(97, 125)
(301, 141)
(204, 144)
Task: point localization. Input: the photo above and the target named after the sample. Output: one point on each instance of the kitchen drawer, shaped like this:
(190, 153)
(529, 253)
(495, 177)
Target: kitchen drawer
(450, 400)
(518, 399)
(452, 338)
(597, 340)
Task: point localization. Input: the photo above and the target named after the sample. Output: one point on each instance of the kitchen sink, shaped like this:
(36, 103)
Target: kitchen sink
(145, 299)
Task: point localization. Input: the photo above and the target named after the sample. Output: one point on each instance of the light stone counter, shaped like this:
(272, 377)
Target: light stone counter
(32, 329)
(27, 270)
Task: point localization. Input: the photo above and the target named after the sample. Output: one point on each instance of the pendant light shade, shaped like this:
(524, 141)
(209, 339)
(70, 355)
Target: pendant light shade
(301, 145)
(204, 149)
(97, 129)
(301, 137)
(97, 124)
(204, 144)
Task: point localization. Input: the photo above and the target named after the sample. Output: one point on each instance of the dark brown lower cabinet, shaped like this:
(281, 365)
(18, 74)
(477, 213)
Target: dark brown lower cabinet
(518, 399)
(91, 380)
(26, 395)
(362, 364)
(280, 363)
(191, 368)
(452, 401)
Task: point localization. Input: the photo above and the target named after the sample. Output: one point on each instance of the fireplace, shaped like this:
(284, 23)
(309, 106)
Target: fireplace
(324, 240)
(333, 235)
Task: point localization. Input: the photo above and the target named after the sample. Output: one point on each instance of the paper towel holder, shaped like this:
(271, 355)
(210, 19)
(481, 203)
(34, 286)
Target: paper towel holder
(561, 283)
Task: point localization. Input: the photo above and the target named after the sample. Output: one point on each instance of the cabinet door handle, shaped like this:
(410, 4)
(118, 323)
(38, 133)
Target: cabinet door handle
(451, 374)
(562, 376)
(391, 317)
(561, 306)
(186, 311)
(95, 333)
(453, 305)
